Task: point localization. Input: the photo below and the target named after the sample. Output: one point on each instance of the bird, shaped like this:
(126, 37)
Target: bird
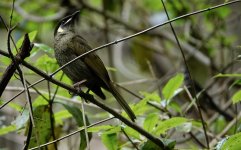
(69, 44)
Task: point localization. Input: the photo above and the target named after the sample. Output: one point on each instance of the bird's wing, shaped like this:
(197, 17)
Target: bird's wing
(91, 60)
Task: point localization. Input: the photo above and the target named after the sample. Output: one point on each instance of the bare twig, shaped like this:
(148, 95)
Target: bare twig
(190, 77)
(66, 136)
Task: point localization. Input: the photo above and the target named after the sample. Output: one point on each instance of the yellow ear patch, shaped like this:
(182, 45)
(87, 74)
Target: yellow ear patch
(60, 30)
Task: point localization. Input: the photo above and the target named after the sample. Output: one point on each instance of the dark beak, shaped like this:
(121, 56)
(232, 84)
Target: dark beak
(75, 16)
(72, 19)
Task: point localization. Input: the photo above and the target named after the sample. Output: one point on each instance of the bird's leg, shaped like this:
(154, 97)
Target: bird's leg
(78, 85)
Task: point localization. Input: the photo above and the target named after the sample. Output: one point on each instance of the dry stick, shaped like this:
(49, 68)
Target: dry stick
(85, 124)
(190, 77)
(73, 133)
(128, 37)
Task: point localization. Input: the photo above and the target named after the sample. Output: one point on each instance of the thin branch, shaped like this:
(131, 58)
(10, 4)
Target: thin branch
(36, 18)
(190, 77)
(129, 139)
(142, 32)
(24, 52)
(225, 130)
(131, 36)
(73, 133)
(85, 125)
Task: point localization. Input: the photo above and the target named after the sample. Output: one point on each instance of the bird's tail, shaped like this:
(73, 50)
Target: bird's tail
(122, 102)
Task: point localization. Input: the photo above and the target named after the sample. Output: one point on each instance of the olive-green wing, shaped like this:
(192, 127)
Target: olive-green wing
(92, 60)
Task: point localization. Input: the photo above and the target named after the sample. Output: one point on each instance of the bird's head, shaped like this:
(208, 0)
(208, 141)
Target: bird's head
(67, 23)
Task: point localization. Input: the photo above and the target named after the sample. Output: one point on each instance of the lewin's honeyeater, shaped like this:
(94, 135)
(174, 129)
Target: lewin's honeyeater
(68, 45)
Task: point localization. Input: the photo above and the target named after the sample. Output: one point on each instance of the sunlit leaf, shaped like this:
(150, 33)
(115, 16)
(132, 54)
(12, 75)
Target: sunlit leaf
(169, 124)
(110, 141)
(61, 115)
(22, 119)
(7, 129)
(172, 85)
(150, 122)
(131, 132)
(231, 143)
(99, 128)
(236, 97)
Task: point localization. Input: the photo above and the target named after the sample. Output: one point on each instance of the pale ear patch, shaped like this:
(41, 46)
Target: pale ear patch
(60, 29)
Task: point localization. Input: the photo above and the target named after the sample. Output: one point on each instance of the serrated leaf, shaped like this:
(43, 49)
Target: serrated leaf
(232, 142)
(150, 122)
(42, 132)
(172, 85)
(236, 97)
(110, 141)
(169, 124)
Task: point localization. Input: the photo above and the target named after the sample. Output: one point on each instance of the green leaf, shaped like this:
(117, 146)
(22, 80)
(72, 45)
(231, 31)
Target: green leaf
(141, 107)
(44, 47)
(149, 145)
(169, 145)
(114, 129)
(46, 63)
(172, 85)
(13, 105)
(150, 122)
(131, 132)
(185, 127)
(59, 116)
(7, 129)
(77, 114)
(110, 141)
(42, 132)
(236, 97)
(31, 35)
(39, 101)
(22, 119)
(232, 142)
(169, 123)
(99, 128)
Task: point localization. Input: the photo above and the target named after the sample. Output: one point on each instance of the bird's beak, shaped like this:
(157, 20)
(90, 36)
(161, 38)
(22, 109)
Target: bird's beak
(72, 18)
(75, 16)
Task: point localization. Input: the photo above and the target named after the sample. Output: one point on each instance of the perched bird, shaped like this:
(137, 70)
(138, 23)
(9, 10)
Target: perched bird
(68, 44)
